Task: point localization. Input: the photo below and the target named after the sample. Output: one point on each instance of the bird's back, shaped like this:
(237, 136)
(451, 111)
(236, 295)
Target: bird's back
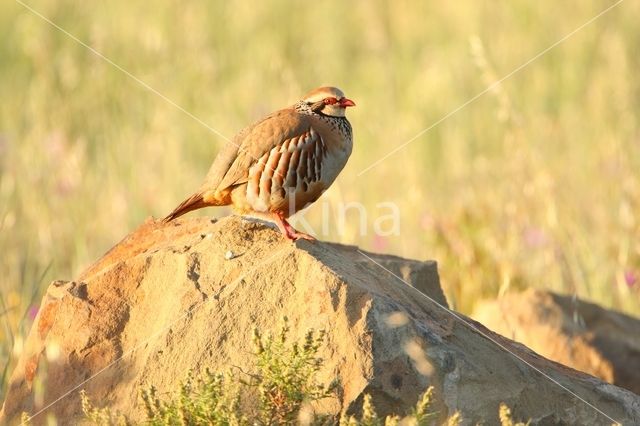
(231, 165)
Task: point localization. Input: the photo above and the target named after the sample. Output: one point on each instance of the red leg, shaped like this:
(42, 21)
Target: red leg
(289, 231)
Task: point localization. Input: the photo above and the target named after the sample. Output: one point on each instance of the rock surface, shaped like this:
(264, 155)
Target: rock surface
(170, 298)
(573, 332)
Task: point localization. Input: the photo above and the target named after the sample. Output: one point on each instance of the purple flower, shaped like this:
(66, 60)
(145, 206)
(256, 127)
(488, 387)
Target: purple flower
(427, 221)
(630, 277)
(33, 311)
(535, 237)
(380, 243)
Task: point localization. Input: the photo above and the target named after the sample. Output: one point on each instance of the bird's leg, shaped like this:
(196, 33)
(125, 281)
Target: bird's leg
(288, 230)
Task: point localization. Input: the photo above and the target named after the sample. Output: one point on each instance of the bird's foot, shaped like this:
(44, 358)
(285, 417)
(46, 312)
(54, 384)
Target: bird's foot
(289, 231)
(297, 235)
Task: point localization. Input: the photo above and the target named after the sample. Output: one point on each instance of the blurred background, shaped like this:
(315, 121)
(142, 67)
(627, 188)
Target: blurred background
(534, 184)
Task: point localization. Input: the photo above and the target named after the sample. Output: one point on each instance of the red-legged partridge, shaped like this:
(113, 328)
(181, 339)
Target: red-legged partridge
(280, 164)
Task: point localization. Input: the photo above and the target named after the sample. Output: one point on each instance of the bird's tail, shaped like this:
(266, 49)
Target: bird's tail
(196, 201)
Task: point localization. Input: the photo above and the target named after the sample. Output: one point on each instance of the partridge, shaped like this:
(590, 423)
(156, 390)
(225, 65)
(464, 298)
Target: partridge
(280, 164)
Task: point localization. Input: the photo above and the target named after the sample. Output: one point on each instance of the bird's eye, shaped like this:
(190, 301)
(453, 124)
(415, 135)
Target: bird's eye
(330, 101)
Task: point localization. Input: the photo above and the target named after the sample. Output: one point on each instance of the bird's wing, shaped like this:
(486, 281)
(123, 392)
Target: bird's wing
(231, 166)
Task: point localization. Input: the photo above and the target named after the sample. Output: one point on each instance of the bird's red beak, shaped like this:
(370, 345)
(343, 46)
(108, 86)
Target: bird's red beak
(344, 102)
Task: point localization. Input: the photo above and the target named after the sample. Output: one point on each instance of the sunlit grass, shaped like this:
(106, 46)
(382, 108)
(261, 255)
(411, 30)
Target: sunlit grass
(537, 183)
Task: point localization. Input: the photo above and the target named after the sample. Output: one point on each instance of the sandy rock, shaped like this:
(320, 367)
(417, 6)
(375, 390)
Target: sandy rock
(573, 332)
(170, 298)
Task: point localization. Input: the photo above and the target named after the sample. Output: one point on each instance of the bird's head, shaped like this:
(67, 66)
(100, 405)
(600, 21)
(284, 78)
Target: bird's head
(328, 101)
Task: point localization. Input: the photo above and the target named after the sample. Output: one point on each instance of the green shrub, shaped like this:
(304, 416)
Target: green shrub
(281, 388)
(210, 399)
(286, 376)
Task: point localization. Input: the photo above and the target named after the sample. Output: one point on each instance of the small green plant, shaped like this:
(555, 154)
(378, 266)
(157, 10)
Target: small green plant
(210, 399)
(281, 388)
(504, 413)
(284, 380)
(101, 416)
(420, 415)
(286, 376)
(369, 416)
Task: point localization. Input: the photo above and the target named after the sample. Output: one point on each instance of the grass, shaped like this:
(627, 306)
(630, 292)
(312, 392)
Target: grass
(534, 184)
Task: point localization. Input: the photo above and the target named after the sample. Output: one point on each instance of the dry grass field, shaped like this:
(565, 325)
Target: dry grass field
(536, 183)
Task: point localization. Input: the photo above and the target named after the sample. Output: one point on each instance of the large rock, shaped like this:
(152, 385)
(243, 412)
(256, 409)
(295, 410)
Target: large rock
(187, 295)
(571, 331)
